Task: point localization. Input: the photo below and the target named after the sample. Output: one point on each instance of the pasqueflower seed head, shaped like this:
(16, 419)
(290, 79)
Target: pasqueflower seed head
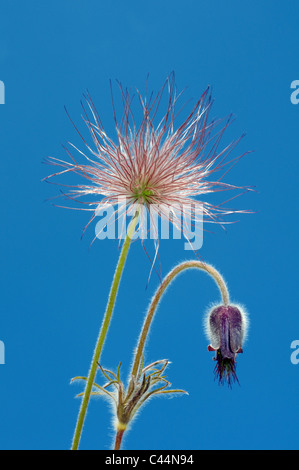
(154, 163)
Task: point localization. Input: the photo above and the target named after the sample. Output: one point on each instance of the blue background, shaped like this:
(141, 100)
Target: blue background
(54, 288)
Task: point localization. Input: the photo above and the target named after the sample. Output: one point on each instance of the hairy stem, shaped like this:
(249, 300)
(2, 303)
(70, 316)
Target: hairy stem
(118, 438)
(153, 306)
(103, 332)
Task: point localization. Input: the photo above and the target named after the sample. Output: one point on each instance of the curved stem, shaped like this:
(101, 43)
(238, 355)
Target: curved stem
(103, 331)
(167, 280)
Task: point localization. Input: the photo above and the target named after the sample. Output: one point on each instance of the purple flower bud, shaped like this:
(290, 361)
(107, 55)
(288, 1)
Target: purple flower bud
(226, 330)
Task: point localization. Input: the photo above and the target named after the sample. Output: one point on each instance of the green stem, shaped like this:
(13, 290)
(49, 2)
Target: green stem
(167, 280)
(103, 331)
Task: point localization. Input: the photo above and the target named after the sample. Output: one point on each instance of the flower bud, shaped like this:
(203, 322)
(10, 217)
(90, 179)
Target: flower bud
(226, 330)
